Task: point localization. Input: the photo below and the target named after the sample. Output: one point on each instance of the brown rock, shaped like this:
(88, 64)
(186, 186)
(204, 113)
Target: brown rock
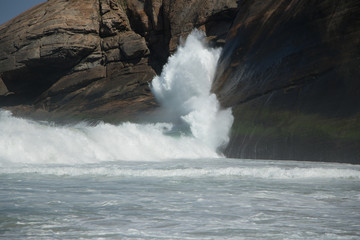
(91, 57)
(155, 14)
(139, 17)
(76, 80)
(113, 18)
(44, 42)
(3, 89)
(133, 45)
(184, 16)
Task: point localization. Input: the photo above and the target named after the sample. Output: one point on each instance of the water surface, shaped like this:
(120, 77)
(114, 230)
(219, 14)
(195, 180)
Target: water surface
(181, 199)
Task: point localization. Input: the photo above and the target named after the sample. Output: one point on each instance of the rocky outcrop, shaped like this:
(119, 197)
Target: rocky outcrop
(95, 58)
(290, 70)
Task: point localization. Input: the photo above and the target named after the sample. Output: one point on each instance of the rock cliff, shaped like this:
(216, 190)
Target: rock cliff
(290, 70)
(95, 58)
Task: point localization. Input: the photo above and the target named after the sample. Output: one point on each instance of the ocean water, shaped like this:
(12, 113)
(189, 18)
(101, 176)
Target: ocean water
(166, 179)
(213, 198)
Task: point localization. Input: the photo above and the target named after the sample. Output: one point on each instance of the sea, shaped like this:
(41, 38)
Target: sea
(166, 178)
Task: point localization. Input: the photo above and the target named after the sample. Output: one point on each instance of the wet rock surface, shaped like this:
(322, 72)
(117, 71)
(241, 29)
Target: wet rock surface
(290, 71)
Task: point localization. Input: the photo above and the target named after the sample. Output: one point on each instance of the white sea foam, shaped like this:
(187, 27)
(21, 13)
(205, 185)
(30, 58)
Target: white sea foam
(184, 91)
(238, 172)
(27, 141)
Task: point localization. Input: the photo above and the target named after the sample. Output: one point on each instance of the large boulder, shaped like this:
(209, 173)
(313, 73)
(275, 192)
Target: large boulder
(95, 58)
(290, 71)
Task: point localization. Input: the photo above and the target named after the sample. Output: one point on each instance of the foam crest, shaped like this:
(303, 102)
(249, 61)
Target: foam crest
(237, 172)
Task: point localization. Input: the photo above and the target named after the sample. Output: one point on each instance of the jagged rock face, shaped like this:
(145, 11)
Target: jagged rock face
(186, 15)
(164, 22)
(290, 70)
(95, 58)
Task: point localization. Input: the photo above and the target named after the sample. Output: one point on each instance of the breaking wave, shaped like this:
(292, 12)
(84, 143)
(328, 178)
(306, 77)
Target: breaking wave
(189, 110)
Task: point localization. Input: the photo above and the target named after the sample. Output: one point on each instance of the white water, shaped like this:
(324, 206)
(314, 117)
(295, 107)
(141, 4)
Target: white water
(260, 173)
(184, 91)
(25, 141)
(181, 199)
(265, 171)
(165, 180)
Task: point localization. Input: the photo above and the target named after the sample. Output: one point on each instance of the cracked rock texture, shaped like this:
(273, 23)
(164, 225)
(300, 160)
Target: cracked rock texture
(290, 71)
(93, 59)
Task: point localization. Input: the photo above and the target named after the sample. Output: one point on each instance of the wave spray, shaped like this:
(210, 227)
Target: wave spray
(183, 89)
(190, 110)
